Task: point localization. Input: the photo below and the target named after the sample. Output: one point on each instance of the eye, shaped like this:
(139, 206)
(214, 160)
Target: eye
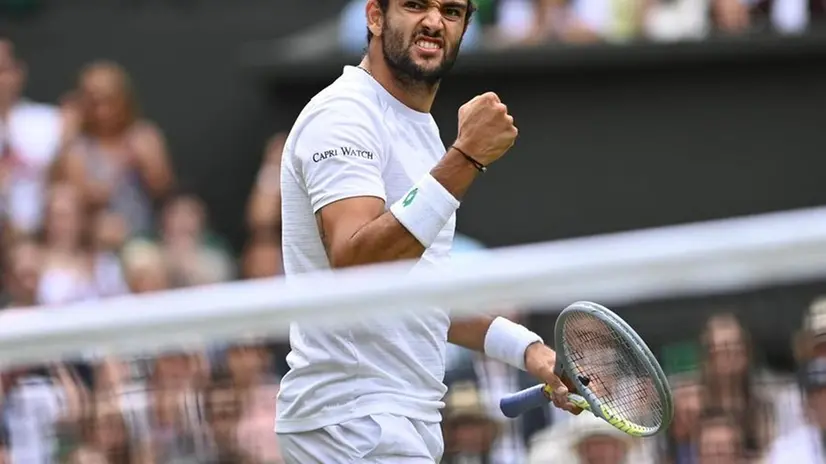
(414, 5)
(453, 12)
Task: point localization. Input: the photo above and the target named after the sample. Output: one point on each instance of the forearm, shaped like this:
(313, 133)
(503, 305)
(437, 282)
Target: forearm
(496, 337)
(470, 332)
(386, 238)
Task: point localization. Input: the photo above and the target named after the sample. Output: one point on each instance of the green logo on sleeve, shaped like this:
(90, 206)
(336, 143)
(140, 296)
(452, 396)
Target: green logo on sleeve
(410, 196)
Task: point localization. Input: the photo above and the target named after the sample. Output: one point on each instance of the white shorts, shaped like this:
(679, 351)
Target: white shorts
(376, 439)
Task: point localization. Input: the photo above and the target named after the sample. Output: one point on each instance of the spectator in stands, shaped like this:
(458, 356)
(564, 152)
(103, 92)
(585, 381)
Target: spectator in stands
(108, 238)
(529, 22)
(585, 439)
(68, 272)
(262, 256)
(86, 455)
(71, 111)
(119, 161)
(31, 135)
(37, 403)
(177, 432)
(603, 447)
(810, 342)
(469, 429)
(144, 267)
(194, 255)
(34, 402)
(250, 367)
(806, 444)
(22, 267)
(264, 206)
(114, 390)
(730, 16)
(720, 440)
(105, 433)
(688, 404)
(4, 439)
(728, 372)
(223, 408)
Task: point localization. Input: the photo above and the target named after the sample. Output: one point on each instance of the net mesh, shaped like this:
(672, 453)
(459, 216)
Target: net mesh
(176, 375)
(607, 363)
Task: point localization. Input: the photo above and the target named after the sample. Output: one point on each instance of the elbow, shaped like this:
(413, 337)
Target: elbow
(346, 254)
(341, 257)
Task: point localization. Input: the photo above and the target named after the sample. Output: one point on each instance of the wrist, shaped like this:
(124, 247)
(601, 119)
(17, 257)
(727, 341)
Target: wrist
(456, 157)
(425, 209)
(470, 159)
(509, 342)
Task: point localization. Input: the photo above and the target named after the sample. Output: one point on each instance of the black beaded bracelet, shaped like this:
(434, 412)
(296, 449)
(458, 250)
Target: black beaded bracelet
(479, 166)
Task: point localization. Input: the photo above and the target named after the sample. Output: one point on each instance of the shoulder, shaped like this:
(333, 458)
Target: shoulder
(146, 138)
(145, 129)
(344, 104)
(336, 118)
(349, 99)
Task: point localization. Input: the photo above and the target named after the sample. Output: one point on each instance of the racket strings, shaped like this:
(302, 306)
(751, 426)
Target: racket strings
(609, 365)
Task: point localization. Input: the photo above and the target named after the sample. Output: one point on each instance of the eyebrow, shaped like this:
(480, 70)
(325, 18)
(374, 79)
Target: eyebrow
(455, 4)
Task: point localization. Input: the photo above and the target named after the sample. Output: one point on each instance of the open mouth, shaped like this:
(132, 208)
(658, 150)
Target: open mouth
(429, 45)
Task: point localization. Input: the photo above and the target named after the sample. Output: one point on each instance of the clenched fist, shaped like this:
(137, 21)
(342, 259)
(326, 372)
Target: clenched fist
(486, 130)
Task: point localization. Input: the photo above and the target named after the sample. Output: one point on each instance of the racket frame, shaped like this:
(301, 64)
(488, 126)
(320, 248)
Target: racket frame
(564, 367)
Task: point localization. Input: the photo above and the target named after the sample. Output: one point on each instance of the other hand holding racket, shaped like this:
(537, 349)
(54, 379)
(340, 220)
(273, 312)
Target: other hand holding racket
(540, 361)
(602, 359)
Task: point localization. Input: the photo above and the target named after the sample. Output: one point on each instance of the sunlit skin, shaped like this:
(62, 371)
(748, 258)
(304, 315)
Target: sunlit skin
(414, 46)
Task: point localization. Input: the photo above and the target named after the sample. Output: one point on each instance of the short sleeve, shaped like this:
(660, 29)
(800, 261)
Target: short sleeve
(339, 152)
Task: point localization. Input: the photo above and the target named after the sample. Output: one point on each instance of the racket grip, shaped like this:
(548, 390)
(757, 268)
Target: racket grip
(516, 404)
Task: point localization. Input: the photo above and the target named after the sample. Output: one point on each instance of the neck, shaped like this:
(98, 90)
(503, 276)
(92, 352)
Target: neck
(415, 95)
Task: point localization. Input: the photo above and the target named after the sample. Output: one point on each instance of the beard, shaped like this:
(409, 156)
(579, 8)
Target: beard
(398, 54)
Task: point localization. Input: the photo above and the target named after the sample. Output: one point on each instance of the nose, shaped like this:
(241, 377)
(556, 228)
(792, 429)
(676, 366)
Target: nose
(433, 20)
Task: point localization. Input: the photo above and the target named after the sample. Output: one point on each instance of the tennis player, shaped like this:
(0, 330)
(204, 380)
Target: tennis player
(366, 178)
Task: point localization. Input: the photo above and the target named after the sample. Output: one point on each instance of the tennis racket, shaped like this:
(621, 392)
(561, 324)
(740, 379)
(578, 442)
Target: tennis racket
(612, 369)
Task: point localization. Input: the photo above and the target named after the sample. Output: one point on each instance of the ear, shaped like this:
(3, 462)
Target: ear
(375, 17)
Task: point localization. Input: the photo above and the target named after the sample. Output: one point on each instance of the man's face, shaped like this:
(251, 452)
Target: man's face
(719, 444)
(24, 270)
(598, 449)
(11, 74)
(421, 38)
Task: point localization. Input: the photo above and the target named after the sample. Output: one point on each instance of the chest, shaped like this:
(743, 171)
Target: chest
(412, 151)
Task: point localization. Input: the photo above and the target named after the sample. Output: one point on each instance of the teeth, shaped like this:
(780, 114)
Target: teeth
(428, 45)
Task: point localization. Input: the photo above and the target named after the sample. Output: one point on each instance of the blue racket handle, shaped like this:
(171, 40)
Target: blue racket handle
(516, 404)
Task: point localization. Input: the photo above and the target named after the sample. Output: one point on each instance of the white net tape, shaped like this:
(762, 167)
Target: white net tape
(712, 257)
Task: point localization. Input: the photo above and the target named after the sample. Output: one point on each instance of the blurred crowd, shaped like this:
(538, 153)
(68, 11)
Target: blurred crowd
(92, 209)
(507, 23)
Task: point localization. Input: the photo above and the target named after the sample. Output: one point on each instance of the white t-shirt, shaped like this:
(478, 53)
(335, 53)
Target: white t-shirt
(355, 139)
(34, 131)
(803, 445)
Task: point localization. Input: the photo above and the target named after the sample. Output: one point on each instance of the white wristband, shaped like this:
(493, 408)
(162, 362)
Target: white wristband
(507, 341)
(425, 209)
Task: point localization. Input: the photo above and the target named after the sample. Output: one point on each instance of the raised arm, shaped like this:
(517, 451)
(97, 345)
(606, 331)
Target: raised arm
(348, 194)
(358, 230)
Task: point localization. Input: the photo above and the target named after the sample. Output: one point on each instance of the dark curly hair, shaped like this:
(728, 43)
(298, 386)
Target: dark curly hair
(384, 4)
